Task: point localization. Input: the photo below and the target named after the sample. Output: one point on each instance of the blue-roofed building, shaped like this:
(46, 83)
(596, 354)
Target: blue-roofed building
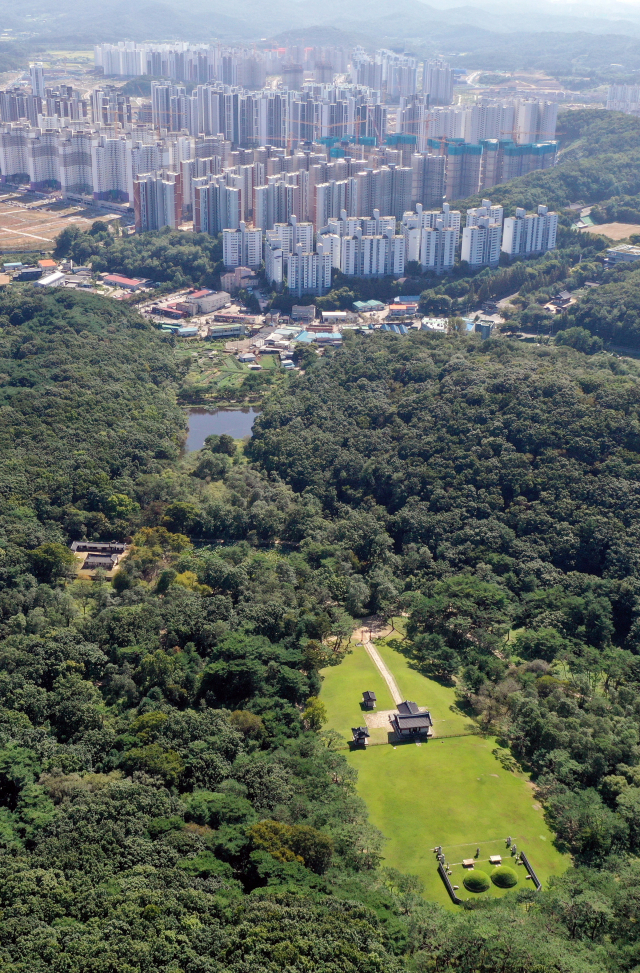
(329, 338)
(365, 306)
(305, 337)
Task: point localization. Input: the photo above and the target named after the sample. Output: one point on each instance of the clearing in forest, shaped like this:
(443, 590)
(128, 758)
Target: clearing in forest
(449, 791)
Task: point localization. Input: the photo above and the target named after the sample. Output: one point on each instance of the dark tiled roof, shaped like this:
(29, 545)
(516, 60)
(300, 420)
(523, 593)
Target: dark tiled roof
(422, 722)
(359, 732)
(368, 695)
(408, 707)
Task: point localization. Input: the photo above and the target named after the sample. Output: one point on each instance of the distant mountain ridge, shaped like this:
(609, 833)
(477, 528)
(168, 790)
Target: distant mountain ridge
(488, 37)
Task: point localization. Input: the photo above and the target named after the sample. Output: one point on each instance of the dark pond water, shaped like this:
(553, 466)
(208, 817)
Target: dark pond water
(234, 422)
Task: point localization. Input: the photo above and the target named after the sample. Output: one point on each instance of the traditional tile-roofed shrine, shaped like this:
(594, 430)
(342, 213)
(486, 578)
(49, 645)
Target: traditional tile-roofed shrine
(411, 721)
(360, 735)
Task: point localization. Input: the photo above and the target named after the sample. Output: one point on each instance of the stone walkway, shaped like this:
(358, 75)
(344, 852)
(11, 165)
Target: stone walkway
(381, 667)
(380, 720)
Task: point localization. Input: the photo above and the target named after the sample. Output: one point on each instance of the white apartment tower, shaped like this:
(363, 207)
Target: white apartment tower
(437, 82)
(495, 213)
(308, 273)
(526, 234)
(481, 243)
(437, 248)
(378, 255)
(242, 247)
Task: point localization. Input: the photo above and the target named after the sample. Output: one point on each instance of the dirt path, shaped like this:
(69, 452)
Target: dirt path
(361, 634)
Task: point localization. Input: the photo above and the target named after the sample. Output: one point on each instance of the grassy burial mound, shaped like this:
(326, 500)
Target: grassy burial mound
(504, 877)
(477, 881)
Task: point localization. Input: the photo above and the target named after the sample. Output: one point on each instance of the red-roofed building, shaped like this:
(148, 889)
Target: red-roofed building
(127, 283)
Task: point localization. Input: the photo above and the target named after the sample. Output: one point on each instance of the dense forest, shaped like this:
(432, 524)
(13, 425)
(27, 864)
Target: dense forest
(165, 256)
(169, 800)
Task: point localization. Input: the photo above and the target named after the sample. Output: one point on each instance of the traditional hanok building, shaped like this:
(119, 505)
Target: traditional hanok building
(369, 700)
(411, 721)
(360, 735)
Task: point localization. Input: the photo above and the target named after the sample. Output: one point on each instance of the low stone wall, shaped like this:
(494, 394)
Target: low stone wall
(529, 867)
(447, 883)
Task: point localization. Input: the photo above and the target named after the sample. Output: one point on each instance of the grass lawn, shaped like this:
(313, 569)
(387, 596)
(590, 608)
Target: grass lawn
(342, 690)
(448, 791)
(439, 698)
(452, 793)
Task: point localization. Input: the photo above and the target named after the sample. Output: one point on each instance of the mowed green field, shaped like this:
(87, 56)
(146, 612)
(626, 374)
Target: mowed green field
(437, 698)
(343, 687)
(447, 791)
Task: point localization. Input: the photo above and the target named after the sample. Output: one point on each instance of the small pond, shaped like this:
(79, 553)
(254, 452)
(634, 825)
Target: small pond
(234, 422)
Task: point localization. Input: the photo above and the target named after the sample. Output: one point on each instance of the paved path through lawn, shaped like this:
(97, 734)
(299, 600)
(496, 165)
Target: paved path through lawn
(382, 669)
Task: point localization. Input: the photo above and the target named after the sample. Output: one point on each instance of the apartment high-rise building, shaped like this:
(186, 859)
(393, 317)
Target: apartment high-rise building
(518, 160)
(36, 74)
(481, 243)
(110, 107)
(169, 107)
(292, 236)
(274, 263)
(75, 162)
(463, 168)
(428, 179)
(431, 237)
(401, 76)
(216, 205)
(308, 273)
(115, 162)
(157, 200)
(495, 213)
(437, 248)
(372, 255)
(242, 247)
(437, 82)
(526, 234)
(14, 162)
(43, 159)
(625, 98)
(535, 121)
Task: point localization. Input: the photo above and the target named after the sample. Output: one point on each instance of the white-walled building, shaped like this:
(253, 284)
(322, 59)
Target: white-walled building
(36, 75)
(242, 247)
(531, 233)
(274, 263)
(437, 82)
(308, 273)
(378, 255)
(157, 198)
(625, 98)
(450, 219)
(437, 248)
(481, 243)
(495, 213)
